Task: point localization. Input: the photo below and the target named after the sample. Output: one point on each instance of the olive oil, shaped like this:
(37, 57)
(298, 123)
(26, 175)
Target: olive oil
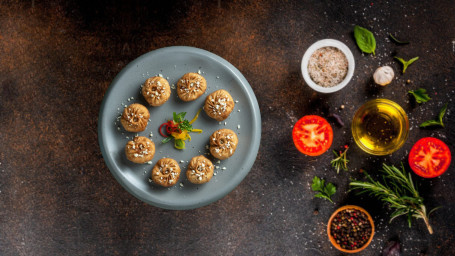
(380, 127)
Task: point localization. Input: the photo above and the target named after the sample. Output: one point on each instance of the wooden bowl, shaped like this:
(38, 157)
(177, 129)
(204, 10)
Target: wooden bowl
(332, 239)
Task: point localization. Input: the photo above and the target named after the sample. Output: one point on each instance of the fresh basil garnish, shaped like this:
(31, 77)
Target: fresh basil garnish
(365, 40)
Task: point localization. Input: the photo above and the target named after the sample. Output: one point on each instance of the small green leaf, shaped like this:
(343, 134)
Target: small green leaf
(436, 122)
(430, 123)
(180, 117)
(166, 140)
(442, 113)
(396, 40)
(420, 95)
(174, 117)
(365, 40)
(405, 63)
(317, 184)
(330, 189)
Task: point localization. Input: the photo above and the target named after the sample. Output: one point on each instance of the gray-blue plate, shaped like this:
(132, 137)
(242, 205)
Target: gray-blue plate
(172, 63)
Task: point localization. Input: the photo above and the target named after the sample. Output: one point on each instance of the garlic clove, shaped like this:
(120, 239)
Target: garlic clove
(383, 75)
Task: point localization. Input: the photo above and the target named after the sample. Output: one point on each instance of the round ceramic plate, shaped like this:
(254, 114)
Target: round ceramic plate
(172, 63)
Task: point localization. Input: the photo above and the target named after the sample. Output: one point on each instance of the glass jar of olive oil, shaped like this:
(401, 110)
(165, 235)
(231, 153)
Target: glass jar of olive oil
(380, 127)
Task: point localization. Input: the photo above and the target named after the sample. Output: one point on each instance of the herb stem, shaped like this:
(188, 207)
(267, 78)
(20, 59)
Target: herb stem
(425, 218)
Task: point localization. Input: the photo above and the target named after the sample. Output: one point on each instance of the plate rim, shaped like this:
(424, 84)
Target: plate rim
(251, 154)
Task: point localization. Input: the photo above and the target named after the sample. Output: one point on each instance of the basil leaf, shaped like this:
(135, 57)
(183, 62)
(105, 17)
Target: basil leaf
(396, 40)
(430, 123)
(365, 39)
(420, 95)
(442, 113)
(174, 117)
(406, 63)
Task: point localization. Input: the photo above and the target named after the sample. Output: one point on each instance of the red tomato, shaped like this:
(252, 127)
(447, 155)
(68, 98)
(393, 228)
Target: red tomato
(429, 157)
(312, 135)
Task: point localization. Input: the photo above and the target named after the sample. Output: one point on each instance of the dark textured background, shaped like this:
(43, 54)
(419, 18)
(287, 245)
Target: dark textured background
(57, 58)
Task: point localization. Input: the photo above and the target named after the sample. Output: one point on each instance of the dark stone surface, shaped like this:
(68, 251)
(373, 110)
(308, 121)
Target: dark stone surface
(57, 58)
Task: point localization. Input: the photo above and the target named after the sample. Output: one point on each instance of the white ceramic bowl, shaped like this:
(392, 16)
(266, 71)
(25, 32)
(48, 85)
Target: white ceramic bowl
(326, 43)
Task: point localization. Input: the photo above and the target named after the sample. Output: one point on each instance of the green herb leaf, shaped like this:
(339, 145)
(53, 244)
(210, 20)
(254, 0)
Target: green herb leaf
(396, 40)
(185, 125)
(318, 184)
(436, 122)
(420, 95)
(330, 189)
(166, 140)
(324, 191)
(406, 63)
(365, 39)
(442, 113)
(430, 123)
(180, 117)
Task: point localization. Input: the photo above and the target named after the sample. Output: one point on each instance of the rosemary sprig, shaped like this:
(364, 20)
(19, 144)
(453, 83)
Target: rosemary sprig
(340, 161)
(398, 191)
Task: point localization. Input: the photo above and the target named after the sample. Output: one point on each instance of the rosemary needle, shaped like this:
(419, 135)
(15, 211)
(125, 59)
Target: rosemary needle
(340, 161)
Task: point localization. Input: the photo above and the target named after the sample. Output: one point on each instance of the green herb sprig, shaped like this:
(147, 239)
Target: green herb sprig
(398, 191)
(436, 122)
(396, 40)
(365, 40)
(406, 63)
(325, 191)
(340, 161)
(178, 129)
(420, 95)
